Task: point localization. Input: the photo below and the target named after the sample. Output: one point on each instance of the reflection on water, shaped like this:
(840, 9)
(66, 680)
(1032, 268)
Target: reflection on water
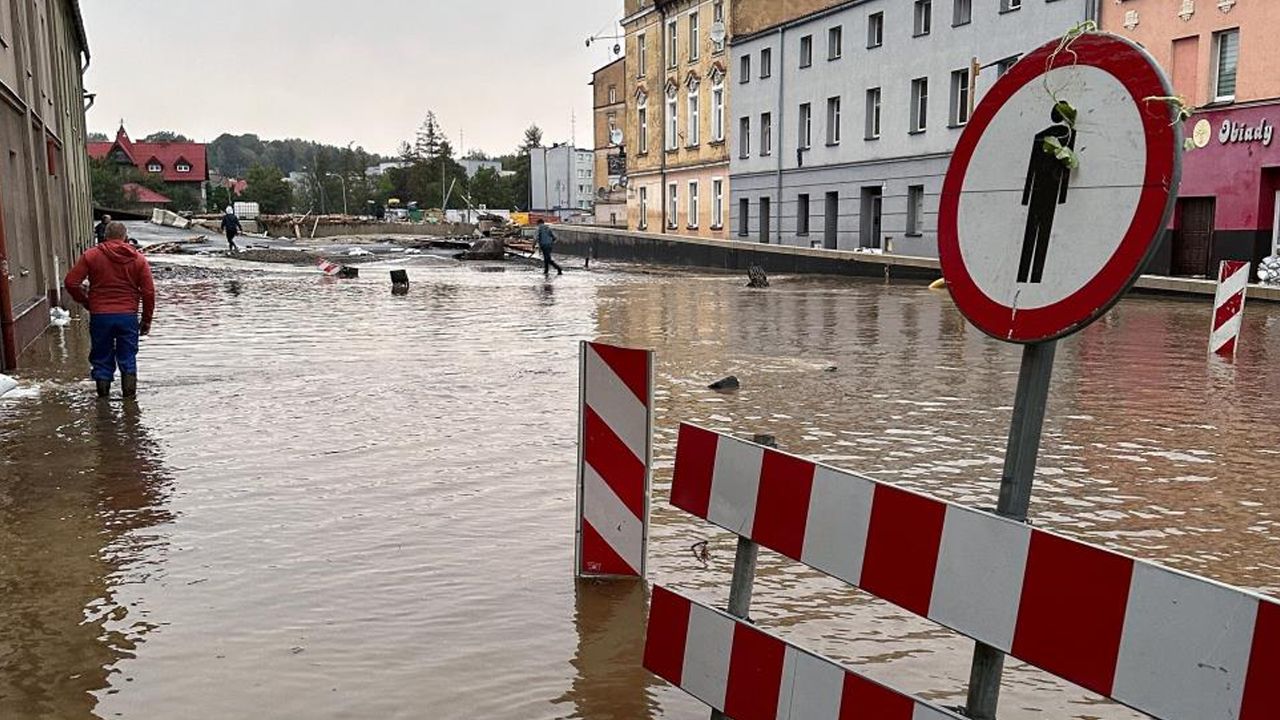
(337, 503)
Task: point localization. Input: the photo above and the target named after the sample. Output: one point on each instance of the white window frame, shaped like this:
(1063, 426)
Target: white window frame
(805, 126)
(961, 13)
(692, 211)
(919, 105)
(717, 112)
(766, 63)
(744, 136)
(922, 24)
(613, 94)
(915, 210)
(1010, 5)
(673, 206)
(875, 97)
(644, 207)
(717, 16)
(673, 43)
(766, 134)
(744, 69)
(183, 167)
(834, 120)
(1218, 39)
(875, 30)
(960, 97)
(806, 51)
(673, 122)
(835, 42)
(155, 167)
(695, 52)
(642, 55)
(694, 111)
(717, 203)
(642, 120)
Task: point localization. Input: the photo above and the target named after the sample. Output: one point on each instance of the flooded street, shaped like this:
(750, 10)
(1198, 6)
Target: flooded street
(334, 503)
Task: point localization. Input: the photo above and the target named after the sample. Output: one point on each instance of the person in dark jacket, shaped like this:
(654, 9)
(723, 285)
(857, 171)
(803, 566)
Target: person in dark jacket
(546, 239)
(100, 230)
(119, 280)
(231, 226)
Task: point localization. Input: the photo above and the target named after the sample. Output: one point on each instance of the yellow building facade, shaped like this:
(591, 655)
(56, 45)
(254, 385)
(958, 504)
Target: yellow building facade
(677, 110)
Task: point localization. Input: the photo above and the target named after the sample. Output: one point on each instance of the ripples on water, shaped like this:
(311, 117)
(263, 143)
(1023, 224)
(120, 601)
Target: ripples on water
(335, 503)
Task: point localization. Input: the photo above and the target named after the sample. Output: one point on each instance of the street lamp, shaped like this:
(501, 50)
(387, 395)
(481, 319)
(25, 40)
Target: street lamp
(344, 190)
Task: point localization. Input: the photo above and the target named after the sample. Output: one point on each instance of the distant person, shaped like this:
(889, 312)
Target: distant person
(100, 230)
(546, 239)
(231, 226)
(119, 281)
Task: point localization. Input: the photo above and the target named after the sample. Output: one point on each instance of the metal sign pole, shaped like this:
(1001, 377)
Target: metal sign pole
(1015, 499)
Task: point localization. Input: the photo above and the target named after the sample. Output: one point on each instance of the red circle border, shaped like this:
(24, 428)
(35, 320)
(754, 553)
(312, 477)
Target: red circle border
(1134, 68)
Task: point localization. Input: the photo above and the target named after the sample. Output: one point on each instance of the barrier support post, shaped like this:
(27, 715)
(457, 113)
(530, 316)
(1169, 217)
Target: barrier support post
(1015, 500)
(744, 570)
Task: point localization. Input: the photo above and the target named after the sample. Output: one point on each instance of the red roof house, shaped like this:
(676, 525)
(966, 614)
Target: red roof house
(176, 162)
(142, 195)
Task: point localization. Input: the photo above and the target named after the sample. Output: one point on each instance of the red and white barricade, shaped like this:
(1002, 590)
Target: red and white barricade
(1169, 644)
(749, 674)
(327, 267)
(1228, 307)
(615, 451)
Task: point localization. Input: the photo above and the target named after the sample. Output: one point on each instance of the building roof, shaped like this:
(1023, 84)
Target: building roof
(169, 155)
(142, 194)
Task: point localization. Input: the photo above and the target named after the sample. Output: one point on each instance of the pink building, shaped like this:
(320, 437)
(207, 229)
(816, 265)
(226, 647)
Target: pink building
(1222, 57)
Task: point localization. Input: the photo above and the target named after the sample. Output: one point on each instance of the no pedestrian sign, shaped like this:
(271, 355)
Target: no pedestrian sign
(1059, 187)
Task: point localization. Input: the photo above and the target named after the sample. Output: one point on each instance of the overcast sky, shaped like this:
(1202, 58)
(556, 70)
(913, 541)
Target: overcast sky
(338, 71)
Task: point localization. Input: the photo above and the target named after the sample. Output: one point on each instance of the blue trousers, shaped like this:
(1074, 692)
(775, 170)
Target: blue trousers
(114, 341)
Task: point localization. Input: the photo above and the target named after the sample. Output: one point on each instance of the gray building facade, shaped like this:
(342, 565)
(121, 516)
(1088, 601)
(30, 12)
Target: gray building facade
(562, 180)
(844, 121)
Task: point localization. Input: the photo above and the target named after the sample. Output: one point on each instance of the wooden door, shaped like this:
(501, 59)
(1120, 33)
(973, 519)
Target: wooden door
(1194, 240)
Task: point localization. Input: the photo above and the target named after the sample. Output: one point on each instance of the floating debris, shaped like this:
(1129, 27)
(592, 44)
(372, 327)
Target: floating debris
(757, 278)
(723, 384)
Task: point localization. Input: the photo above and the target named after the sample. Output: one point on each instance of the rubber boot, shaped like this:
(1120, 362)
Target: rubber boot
(129, 384)
(104, 388)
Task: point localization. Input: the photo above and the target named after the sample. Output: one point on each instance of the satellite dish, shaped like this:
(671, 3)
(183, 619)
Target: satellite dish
(718, 33)
(617, 49)
(615, 136)
(623, 181)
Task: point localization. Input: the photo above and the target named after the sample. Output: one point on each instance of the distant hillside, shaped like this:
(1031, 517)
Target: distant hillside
(233, 155)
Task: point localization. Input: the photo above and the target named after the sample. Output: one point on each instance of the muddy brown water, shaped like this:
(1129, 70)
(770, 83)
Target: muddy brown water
(335, 503)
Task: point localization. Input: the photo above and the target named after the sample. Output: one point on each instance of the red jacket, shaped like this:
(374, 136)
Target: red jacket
(119, 278)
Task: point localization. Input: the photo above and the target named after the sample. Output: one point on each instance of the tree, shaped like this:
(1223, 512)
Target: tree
(97, 137)
(107, 184)
(430, 136)
(520, 163)
(488, 189)
(166, 136)
(532, 138)
(266, 186)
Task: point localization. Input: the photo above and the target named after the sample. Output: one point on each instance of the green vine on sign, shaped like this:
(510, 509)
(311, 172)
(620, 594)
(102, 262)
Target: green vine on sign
(1052, 145)
(1182, 111)
(1061, 107)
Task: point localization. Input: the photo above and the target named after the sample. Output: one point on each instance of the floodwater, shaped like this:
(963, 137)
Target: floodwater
(334, 503)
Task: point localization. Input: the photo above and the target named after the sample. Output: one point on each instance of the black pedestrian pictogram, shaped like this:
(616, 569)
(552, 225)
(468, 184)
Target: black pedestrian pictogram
(1046, 188)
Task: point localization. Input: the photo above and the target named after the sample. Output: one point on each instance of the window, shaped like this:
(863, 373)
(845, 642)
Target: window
(924, 17)
(693, 36)
(642, 55)
(693, 204)
(802, 215)
(766, 62)
(1005, 65)
(915, 209)
(835, 43)
(182, 167)
(959, 97)
(695, 118)
(717, 113)
(673, 44)
(717, 203)
(744, 217)
(806, 126)
(873, 113)
(644, 207)
(875, 29)
(154, 167)
(744, 69)
(919, 105)
(833, 121)
(1226, 53)
(717, 17)
(962, 13)
(613, 94)
(673, 205)
(766, 134)
(1010, 5)
(806, 51)
(673, 123)
(642, 119)
(744, 137)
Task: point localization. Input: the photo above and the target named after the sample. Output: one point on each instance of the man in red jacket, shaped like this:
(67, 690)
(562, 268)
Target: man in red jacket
(119, 279)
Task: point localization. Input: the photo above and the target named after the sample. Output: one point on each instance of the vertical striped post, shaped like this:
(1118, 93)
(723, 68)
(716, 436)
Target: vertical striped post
(615, 460)
(1228, 307)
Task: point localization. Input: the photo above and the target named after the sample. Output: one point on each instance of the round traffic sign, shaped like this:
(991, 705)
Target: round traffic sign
(1061, 182)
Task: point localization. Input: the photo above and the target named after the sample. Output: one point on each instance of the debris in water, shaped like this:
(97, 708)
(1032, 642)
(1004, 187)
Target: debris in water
(701, 553)
(757, 278)
(399, 282)
(59, 317)
(728, 383)
(6, 384)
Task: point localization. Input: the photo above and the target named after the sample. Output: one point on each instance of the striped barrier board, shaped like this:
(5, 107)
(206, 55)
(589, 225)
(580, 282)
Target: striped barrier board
(1228, 307)
(1166, 643)
(749, 674)
(615, 457)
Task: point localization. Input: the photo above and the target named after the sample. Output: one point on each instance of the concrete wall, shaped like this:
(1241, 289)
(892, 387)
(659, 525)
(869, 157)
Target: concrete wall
(284, 229)
(900, 157)
(44, 184)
